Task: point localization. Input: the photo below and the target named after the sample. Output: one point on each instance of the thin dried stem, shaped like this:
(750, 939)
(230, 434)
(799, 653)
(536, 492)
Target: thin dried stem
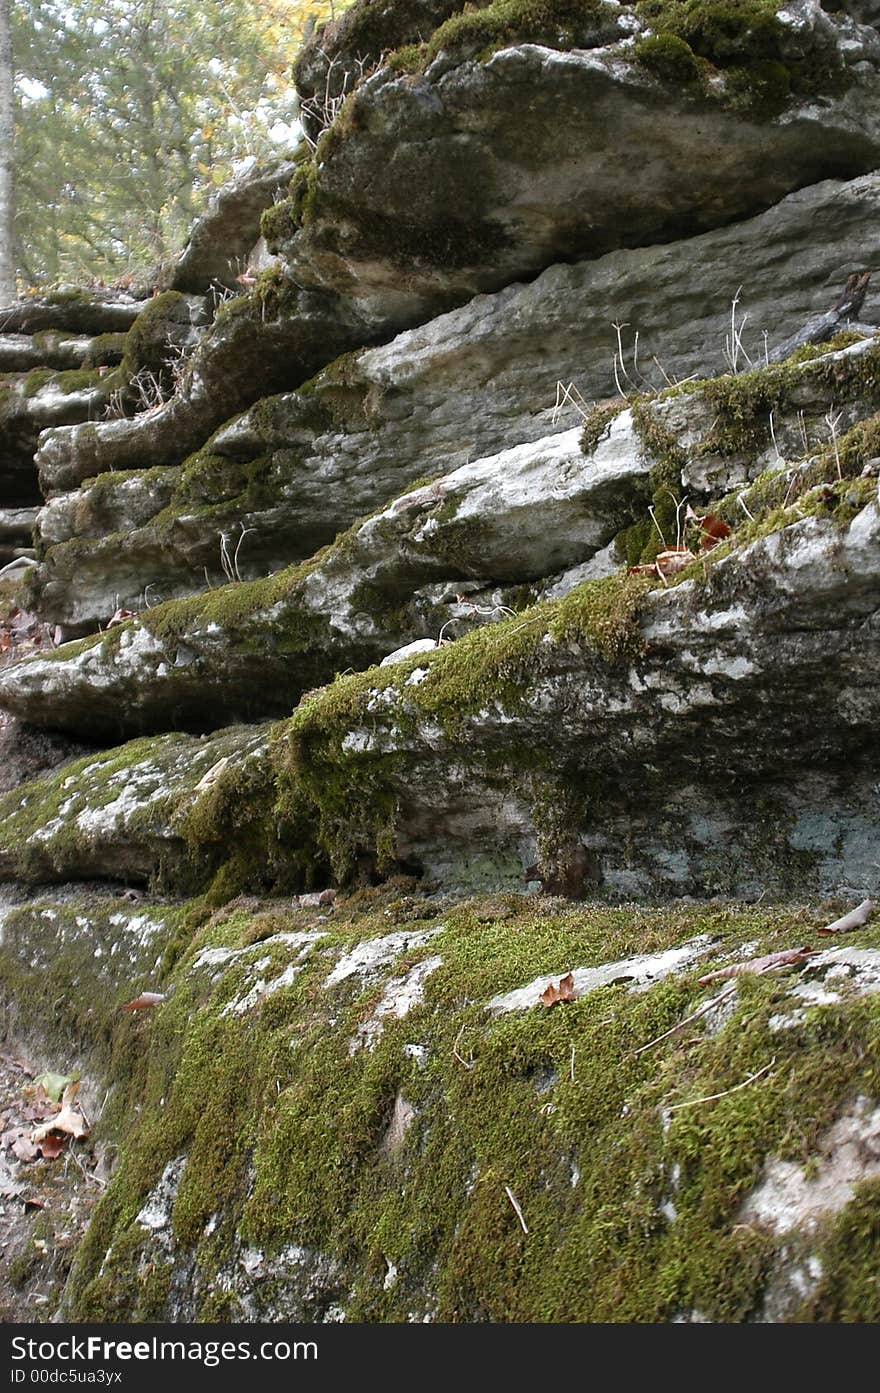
(711, 1097)
(707, 1006)
(519, 1214)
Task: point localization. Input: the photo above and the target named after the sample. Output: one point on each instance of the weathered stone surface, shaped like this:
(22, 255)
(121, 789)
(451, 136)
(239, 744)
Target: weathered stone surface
(26, 752)
(116, 815)
(713, 717)
(30, 405)
(300, 467)
(22, 352)
(252, 649)
(361, 1108)
(72, 310)
(117, 374)
(715, 700)
(229, 1096)
(728, 441)
(269, 341)
(222, 239)
(333, 60)
(16, 532)
(438, 559)
(434, 186)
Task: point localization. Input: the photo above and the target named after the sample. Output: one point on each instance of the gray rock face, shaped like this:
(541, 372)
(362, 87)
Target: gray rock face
(731, 672)
(72, 310)
(531, 773)
(116, 815)
(333, 60)
(57, 378)
(22, 352)
(16, 532)
(301, 467)
(251, 346)
(443, 556)
(440, 185)
(222, 239)
(471, 685)
(502, 521)
(26, 409)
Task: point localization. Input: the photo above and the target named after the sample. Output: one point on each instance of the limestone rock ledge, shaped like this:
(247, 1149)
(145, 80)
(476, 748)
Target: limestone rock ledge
(329, 1117)
(298, 468)
(516, 752)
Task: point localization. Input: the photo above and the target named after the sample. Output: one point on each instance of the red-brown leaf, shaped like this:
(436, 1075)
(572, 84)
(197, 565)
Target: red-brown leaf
(52, 1146)
(788, 957)
(564, 992)
(713, 530)
(144, 1002)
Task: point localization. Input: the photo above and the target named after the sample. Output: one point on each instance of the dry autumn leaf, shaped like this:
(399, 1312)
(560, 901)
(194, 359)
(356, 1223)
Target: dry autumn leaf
(788, 957)
(52, 1146)
(856, 919)
(68, 1120)
(667, 563)
(119, 616)
(564, 992)
(143, 1002)
(23, 1149)
(713, 530)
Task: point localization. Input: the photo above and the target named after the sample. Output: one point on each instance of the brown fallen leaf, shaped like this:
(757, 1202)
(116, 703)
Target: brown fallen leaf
(23, 1149)
(144, 1001)
(564, 992)
(854, 920)
(713, 530)
(52, 1146)
(119, 616)
(40, 1106)
(788, 957)
(667, 563)
(68, 1120)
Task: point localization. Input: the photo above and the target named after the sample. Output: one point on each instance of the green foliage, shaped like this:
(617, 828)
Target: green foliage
(130, 113)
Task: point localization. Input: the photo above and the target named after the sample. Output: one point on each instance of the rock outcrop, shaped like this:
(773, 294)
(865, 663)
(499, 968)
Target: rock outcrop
(298, 468)
(488, 599)
(224, 245)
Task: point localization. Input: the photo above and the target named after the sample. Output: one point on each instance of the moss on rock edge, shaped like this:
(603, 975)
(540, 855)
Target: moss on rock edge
(277, 1131)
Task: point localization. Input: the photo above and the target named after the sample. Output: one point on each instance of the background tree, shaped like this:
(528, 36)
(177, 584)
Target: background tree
(128, 114)
(7, 173)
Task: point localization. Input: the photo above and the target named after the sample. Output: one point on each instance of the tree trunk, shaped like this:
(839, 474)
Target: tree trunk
(7, 178)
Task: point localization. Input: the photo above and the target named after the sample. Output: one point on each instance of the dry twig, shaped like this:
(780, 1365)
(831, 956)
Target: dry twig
(468, 1063)
(711, 1097)
(519, 1214)
(701, 1011)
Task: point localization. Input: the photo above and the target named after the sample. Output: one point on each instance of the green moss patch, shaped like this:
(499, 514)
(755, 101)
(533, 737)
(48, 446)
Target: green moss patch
(629, 1168)
(349, 801)
(742, 407)
(747, 42)
(559, 22)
